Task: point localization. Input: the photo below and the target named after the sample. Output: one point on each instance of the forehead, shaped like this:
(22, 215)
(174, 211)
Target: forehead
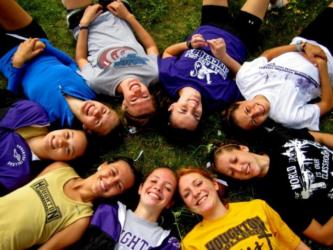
(183, 120)
(188, 179)
(163, 174)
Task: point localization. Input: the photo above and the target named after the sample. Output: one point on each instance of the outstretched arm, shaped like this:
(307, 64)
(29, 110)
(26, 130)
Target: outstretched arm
(320, 233)
(119, 9)
(67, 236)
(81, 53)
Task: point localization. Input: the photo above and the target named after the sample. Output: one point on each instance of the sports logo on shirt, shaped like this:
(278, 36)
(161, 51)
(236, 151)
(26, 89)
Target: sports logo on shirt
(120, 57)
(19, 156)
(206, 65)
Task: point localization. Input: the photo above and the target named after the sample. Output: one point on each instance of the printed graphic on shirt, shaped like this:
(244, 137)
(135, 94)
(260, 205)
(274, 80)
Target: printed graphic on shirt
(51, 210)
(128, 240)
(206, 65)
(19, 156)
(303, 82)
(120, 57)
(309, 168)
(248, 228)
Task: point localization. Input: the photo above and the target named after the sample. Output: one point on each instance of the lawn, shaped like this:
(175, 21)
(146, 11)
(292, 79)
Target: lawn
(169, 21)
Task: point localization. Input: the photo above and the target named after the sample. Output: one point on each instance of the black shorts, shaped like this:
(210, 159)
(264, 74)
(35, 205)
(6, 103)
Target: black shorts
(319, 29)
(8, 42)
(244, 25)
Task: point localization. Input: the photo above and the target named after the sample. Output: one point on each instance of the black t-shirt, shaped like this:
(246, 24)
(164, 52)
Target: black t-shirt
(299, 183)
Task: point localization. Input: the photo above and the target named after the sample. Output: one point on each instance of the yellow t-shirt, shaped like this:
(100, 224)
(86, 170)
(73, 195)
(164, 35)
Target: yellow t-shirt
(247, 225)
(33, 213)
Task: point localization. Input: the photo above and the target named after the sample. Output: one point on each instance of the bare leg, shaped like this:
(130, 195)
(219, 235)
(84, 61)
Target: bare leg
(331, 5)
(256, 7)
(215, 2)
(75, 4)
(13, 16)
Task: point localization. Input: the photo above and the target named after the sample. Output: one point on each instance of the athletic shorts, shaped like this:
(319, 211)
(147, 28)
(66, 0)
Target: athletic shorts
(244, 25)
(7, 41)
(319, 29)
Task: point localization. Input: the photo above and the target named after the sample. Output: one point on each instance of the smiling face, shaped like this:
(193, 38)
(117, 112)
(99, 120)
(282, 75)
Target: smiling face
(64, 144)
(199, 194)
(112, 179)
(97, 117)
(187, 111)
(239, 164)
(158, 189)
(251, 114)
(137, 99)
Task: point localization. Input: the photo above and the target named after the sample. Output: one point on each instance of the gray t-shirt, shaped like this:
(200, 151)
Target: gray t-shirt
(139, 234)
(114, 55)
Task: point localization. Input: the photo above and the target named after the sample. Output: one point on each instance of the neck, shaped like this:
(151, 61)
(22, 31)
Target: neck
(78, 189)
(147, 214)
(36, 146)
(218, 211)
(263, 161)
(74, 104)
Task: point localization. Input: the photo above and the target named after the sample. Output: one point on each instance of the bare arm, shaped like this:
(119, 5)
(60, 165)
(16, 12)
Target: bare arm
(67, 236)
(119, 9)
(323, 138)
(326, 102)
(277, 51)
(320, 233)
(26, 51)
(81, 52)
(174, 50)
(310, 51)
(197, 41)
(219, 50)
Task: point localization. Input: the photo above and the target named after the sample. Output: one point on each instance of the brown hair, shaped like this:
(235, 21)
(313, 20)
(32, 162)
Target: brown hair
(206, 174)
(228, 147)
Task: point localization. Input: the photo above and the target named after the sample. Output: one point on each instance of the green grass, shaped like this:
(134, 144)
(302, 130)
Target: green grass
(170, 21)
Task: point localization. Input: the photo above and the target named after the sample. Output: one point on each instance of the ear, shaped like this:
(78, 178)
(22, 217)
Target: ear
(123, 106)
(140, 189)
(244, 148)
(171, 107)
(216, 185)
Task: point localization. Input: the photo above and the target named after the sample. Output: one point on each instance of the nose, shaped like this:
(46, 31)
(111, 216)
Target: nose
(157, 186)
(61, 142)
(196, 193)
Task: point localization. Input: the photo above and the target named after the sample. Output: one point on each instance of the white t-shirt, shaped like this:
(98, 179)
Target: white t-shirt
(114, 55)
(289, 82)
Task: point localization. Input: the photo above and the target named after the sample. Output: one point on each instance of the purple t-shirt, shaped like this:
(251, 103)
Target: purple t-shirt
(15, 154)
(199, 69)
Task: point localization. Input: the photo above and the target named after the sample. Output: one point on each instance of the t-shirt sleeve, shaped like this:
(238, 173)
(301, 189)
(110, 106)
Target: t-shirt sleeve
(249, 74)
(283, 233)
(306, 116)
(90, 74)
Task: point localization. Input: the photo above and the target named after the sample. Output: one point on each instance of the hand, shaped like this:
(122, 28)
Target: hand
(218, 47)
(90, 13)
(312, 51)
(320, 63)
(26, 51)
(197, 41)
(118, 9)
